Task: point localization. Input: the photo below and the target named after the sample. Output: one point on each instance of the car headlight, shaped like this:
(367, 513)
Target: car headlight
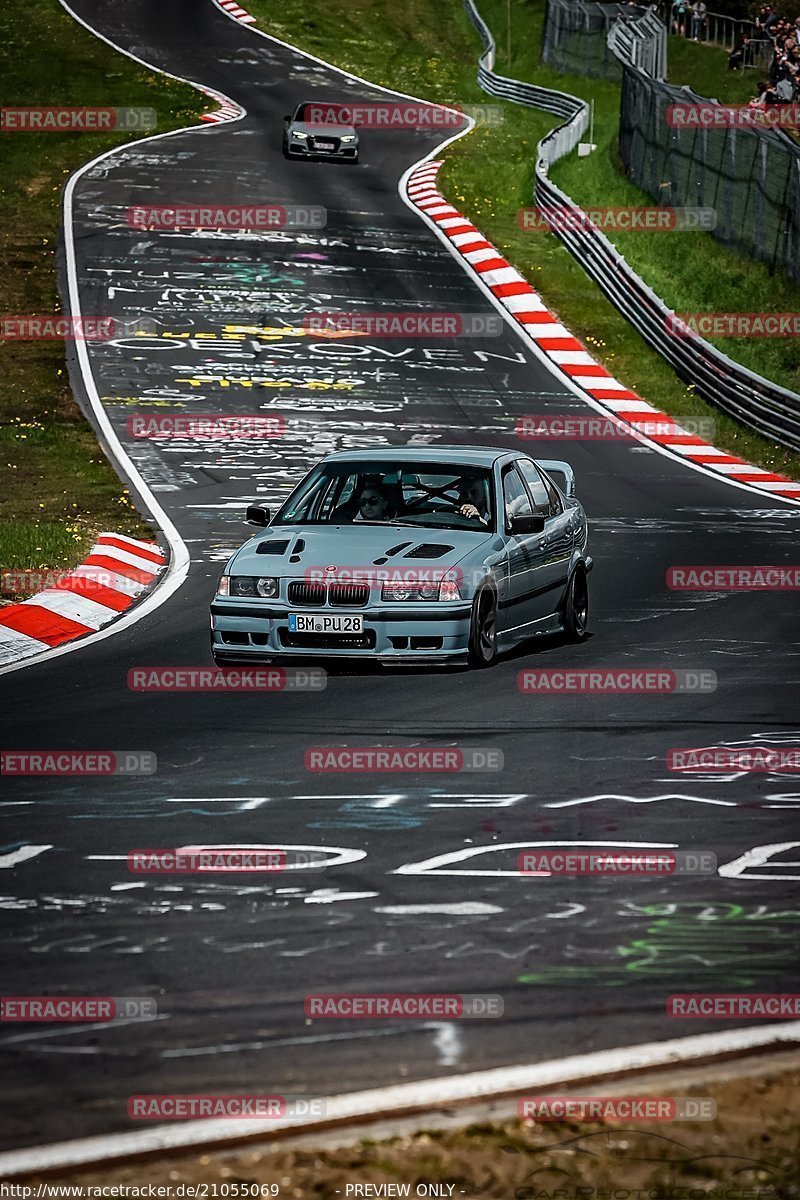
(267, 587)
(297, 134)
(248, 585)
(401, 592)
(241, 585)
(348, 137)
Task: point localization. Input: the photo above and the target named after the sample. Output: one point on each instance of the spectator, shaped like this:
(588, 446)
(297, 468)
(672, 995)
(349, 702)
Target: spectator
(765, 96)
(679, 11)
(740, 51)
(699, 13)
(782, 85)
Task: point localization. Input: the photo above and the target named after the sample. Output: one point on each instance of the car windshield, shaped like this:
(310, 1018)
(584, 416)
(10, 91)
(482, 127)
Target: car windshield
(322, 113)
(430, 494)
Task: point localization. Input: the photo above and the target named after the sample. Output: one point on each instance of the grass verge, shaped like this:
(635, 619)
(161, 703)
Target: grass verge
(58, 489)
(431, 51)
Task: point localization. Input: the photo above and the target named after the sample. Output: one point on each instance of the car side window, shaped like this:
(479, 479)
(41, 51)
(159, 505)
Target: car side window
(515, 498)
(545, 496)
(556, 503)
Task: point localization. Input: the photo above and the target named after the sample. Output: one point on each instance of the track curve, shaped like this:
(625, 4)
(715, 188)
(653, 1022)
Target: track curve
(581, 964)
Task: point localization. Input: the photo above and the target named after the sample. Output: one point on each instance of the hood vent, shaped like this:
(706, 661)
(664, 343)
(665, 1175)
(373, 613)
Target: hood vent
(272, 546)
(428, 550)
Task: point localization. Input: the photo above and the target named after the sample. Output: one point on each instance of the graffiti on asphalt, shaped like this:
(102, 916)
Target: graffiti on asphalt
(689, 945)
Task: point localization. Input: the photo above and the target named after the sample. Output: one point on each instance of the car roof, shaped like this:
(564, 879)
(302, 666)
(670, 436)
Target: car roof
(474, 456)
(322, 104)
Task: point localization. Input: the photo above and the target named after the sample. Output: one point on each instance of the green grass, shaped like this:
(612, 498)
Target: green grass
(705, 69)
(58, 489)
(691, 272)
(489, 175)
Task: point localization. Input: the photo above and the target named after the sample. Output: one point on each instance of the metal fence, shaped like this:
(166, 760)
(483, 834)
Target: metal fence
(718, 29)
(642, 42)
(560, 104)
(575, 38)
(751, 177)
(755, 401)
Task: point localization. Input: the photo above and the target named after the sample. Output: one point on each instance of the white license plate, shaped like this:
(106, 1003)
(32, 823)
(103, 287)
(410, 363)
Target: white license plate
(325, 623)
(324, 145)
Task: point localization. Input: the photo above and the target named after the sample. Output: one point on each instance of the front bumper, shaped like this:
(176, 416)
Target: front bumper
(244, 630)
(303, 150)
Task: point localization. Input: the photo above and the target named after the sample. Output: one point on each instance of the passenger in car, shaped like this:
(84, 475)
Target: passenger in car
(472, 499)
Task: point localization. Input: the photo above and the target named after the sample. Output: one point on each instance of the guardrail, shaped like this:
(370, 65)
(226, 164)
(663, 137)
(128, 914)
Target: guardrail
(643, 43)
(756, 402)
(561, 104)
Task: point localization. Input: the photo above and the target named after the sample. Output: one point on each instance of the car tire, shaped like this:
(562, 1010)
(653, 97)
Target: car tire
(482, 648)
(576, 606)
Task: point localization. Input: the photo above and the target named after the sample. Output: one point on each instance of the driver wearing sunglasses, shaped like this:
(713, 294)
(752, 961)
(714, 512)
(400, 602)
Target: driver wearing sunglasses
(373, 504)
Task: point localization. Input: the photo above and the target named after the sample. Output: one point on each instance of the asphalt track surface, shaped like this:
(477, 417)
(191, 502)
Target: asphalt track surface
(581, 964)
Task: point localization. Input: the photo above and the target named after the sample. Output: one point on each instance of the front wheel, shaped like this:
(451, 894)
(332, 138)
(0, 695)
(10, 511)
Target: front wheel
(482, 650)
(576, 606)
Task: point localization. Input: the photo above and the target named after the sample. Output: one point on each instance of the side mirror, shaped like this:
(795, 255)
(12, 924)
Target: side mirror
(529, 523)
(257, 515)
(287, 119)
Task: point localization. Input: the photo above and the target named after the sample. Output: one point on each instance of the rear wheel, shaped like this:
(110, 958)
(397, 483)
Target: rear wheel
(483, 629)
(576, 606)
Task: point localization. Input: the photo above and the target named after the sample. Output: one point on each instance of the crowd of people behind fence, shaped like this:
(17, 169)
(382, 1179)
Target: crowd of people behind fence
(782, 85)
(689, 19)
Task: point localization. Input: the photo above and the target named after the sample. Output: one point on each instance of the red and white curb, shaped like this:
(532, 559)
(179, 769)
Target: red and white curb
(525, 305)
(237, 11)
(117, 572)
(227, 111)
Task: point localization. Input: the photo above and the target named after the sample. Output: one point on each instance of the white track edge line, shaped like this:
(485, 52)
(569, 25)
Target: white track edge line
(435, 1091)
(560, 376)
(347, 74)
(180, 560)
(508, 317)
(395, 1100)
